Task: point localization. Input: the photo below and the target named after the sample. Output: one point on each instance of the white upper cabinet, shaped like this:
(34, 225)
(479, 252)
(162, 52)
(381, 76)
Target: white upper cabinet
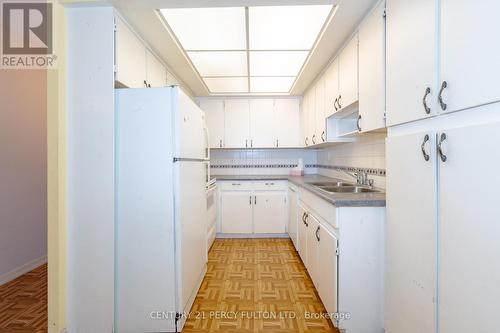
(287, 122)
(311, 114)
(156, 73)
(372, 71)
(261, 123)
(320, 133)
(332, 88)
(348, 74)
(237, 123)
(305, 119)
(411, 60)
(130, 56)
(470, 53)
(214, 115)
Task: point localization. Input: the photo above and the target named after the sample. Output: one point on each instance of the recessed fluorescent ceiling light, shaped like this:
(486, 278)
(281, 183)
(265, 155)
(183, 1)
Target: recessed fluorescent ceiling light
(220, 63)
(227, 56)
(280, 84)
(221, 85)
(276, 63)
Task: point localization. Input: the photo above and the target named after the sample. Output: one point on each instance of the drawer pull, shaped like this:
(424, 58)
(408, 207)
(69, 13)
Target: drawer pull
(236, 184)
(269, 183)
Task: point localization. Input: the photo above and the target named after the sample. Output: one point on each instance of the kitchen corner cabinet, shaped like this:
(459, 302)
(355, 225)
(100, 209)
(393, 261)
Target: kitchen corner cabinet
(253, 208)
(214, 115)
(342, 249)
(460, 258)
(135, 65)
(372, 71)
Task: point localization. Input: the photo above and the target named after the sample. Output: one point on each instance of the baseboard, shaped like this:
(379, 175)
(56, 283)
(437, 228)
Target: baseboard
(29, 266)
(224, 235)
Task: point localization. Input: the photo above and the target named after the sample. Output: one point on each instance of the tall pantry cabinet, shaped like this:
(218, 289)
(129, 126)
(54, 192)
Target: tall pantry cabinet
(443, 225)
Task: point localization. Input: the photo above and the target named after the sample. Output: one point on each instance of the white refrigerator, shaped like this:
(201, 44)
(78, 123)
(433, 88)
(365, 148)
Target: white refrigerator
(160, 208)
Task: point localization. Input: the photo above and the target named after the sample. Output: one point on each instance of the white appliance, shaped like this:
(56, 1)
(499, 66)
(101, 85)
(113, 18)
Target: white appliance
(160, 208)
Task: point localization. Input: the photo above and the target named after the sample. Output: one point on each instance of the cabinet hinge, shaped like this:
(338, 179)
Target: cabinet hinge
(384, 15)
(115, 69)
(337, 251)
(115, 27)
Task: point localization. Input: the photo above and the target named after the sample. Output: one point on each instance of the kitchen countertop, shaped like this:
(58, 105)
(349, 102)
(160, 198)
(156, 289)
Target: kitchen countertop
(376, 199)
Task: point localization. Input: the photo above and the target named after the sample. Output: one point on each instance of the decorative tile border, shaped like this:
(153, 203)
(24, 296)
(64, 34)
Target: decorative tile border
(251, 166)
(370, 171)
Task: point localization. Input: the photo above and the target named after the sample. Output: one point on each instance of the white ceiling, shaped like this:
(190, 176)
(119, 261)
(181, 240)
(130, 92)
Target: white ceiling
(144, 17)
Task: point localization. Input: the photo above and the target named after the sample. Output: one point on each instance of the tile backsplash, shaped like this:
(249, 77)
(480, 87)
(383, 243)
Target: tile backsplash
(368, 153)
(260, 161)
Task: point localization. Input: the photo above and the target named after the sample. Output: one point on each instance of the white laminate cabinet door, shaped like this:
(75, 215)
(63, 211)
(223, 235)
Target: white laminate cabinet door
(214, 115)
(372, 71)
(269, 212)
(286, 122)
(411, 59)
(130, 55)
(469, 53)
(332, 88)
(293, 215)
(262, 133)
(327, 270)
(469, 218)
(237, 123)
(348, 74)
(313, 249)
(320, 111)
(305, 120)
(302, 234)
(156, 73)
(411, 235)
(236, 212)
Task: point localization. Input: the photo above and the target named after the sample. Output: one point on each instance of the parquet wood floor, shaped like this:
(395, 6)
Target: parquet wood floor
(256, 285)
(23, 303)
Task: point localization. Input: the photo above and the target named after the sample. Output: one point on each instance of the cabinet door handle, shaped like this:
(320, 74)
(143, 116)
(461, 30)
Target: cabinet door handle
(304, 218)
(323, 136)
(424, 100)
(335, 103)
(250, 200)
(220, 143)
(255, 199)
(313, 141)
(340, 106)
(251, 143)
(317, 236)
(307, 224)
(440, 96)
(145, 83)
(277, 143)
(246, 143)
(442, 138)
(305, 141)
(426, 139)
(357, 123)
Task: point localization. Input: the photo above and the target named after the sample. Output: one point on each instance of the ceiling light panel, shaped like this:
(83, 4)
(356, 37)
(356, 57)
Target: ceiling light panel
(227, 84)
(276, 63)
(223, 63)
(271, 84)
(286, 27)
(208, 28)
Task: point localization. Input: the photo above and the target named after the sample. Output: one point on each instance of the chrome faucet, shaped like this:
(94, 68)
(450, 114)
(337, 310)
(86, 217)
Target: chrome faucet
(361, 177)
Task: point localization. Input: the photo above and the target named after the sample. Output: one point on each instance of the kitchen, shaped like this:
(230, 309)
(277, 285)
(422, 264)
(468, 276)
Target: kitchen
(288, 166)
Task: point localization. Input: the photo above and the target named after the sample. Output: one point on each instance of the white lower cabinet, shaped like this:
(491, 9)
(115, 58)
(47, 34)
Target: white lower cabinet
(442, 251)
(293, 214)
(249, 207)
(343, 255)
(269, 212)
(236, 212)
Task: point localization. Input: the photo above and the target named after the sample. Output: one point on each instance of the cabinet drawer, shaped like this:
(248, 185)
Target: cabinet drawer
(236, 185)
(271, 185)
(322, 208)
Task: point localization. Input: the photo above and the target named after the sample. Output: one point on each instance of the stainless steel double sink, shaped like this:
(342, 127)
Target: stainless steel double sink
(342, 187)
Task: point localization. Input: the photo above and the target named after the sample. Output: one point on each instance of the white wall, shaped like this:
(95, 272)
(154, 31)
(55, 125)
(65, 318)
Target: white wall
(23, 171)
(259, 161)
(90, 192)
(368, 153)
